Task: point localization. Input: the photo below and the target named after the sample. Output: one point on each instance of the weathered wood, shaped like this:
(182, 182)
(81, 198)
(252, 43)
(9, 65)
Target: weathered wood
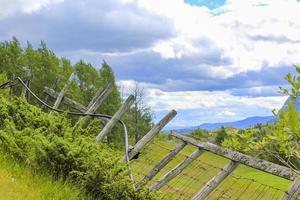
(177, 170)
(99, 93)
(27, 81)
(159, 166)
(215, 181)
(259, 164)
(67, 101)
(63, 92)
(117, 116)
(150, 135)
(95, 103)
(98, 99)
(294, 190)
(14, 82)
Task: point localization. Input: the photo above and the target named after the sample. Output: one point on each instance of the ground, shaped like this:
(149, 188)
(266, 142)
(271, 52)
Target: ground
(18, 182)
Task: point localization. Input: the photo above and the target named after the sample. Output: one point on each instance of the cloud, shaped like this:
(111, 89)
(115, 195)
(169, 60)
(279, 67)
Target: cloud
(210, 62)
(271, 35)
(196, 107)
(9, 8)
(116, 26)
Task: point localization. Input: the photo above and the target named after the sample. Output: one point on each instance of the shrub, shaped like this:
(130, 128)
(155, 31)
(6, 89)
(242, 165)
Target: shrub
(47, 143)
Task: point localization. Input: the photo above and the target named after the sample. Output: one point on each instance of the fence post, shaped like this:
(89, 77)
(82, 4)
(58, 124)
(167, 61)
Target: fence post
(117, 116)
(27, 81)
(215, 181)
(294, 190)
(94, 104)
(150, 135)
(63, 92)
(98, 99)
(175, 171)
(159, 166)
(67, 101)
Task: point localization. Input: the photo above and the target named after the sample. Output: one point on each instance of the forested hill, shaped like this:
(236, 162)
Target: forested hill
(47, 69)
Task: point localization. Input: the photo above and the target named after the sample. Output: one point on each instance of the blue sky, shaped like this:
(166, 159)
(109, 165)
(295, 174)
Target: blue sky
(212, 61)
(211, 4)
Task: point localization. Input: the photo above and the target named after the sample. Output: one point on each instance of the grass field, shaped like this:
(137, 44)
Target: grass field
(18, 182)
(244, 183)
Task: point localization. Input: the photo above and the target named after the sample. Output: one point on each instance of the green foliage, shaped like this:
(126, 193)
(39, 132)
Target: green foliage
(49, 70)
(200, 134)
(47, 143)
(221, 135)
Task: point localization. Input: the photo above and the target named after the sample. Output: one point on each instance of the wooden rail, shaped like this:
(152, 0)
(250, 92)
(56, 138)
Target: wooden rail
(63, 92)
(117, 116)
(235, 157)
(259, 164)
(67, 101)
(151, 134)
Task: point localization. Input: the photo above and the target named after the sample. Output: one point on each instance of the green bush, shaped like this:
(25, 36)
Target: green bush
(47, 143)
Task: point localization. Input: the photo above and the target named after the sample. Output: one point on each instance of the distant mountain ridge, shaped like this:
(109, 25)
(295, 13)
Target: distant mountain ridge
(241, 124)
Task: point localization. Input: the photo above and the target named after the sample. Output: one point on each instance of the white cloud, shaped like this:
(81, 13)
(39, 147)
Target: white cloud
(183, 100)
(8, 8)
(252, 33)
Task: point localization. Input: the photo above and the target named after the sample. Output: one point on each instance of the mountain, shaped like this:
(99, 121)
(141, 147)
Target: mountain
(241, 124)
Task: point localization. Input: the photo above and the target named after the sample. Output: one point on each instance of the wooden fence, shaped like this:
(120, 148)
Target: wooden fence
(236, 158)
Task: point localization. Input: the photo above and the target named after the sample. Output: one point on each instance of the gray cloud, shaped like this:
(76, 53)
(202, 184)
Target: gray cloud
(91, 24)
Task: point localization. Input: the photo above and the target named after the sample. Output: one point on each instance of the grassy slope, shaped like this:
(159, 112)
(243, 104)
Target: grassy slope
(18, 182)
(205, 167)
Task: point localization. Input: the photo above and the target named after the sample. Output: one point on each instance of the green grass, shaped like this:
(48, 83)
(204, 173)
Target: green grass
(19, 182)
(244, 183)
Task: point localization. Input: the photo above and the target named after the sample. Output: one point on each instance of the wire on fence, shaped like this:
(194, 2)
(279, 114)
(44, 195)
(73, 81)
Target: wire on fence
(189, 182)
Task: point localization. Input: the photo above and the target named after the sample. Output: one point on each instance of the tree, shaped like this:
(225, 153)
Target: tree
(141, 113)
(113, 102)
(221, 135)
(200, 133)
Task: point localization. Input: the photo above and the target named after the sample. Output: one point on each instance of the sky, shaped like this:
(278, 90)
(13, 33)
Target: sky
(211, 60)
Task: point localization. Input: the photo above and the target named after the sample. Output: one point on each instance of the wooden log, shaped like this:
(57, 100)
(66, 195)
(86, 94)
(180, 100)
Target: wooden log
(95, 103)
(63, 92)
(159, 166)
(47, 96)
(294, 190)
(150, 135)
(67, 101)
(14, 82)
(117, 116)
(259, 164)
(27, 81)
(215, 181)
(177, 170)
(99, 99)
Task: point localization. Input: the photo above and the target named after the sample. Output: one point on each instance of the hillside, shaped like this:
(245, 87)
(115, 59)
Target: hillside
(19, 182)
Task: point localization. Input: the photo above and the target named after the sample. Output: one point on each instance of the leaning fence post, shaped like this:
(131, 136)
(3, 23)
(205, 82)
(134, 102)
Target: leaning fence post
(294, 190)
(177, 170)
(117, 116)
(215, 181)
(63, 92)
(27, 81)
(159, 166)
(150, 135)
(96, 102)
